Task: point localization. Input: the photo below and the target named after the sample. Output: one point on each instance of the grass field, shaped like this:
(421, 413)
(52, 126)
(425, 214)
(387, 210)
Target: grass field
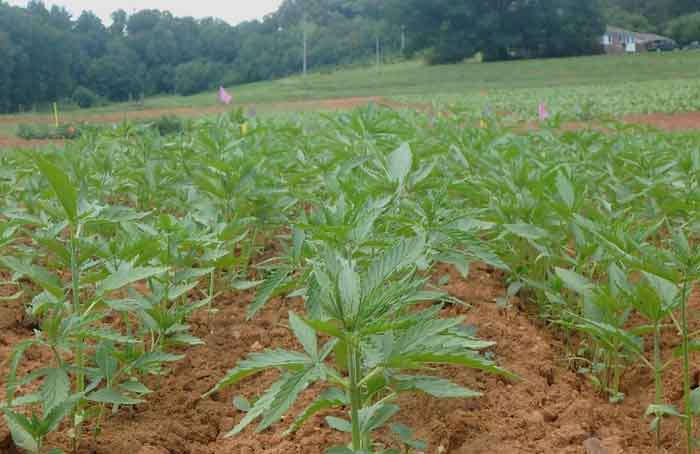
(589, 86)
(416, 79)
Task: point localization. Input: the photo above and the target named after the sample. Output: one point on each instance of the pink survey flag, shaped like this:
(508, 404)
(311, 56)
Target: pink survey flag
(543, 112)
(224, 96)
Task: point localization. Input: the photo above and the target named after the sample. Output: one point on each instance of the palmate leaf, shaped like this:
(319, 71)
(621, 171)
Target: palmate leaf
(62, 186)
(374, 417)
(662, 410)
(55, 389)
(339, 424)
(191, 273)
(37, 274)
(305, 334)
(407, 320)
(105, 361)
(666, 290)
(399, 163)
(15, 358)
(527, 231)
(566, 190)
(694, 407)
(209, 185)
(135, 387)
(468, 359)
(260, 407)
(290, 390)
(154, 358)
(406, 435)
(574, 281)
(488, 257)
(414, 338)
(113, 397)
(185, 339)
(127, 275)
(329, 327)
(330, 398)
(403, 254)
(109, 335)
(22, 431)
(605, 333)
(258, 362)
(436, 387)
(349, 289)
(266, 291)
(456, 259)
(58, 414)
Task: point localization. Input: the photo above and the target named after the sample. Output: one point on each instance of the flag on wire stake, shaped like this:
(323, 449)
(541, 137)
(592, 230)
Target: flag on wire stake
(224, 96)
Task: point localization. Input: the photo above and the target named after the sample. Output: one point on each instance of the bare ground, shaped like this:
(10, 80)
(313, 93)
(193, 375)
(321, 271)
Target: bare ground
(551, 410)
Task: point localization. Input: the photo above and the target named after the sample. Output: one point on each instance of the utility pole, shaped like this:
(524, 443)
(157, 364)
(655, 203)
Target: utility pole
(378, 51)
(403, 39)
(305, 48)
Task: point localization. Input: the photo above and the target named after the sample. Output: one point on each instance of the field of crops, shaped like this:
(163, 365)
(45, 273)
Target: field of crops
(376, 281)
(598, 87)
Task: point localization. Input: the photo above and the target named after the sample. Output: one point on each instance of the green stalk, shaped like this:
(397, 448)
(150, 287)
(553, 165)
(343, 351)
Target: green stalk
(617, 379)
(355, 396)
(77, 310)
(658, 367)
(686, 366)
(211, 300)
(618, 368)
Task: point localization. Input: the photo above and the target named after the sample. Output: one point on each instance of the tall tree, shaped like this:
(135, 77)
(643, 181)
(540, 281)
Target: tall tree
(499, 29)
(119, 21)
(47, 54)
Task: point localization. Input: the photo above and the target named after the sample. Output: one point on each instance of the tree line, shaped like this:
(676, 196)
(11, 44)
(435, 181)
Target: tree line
(49, 56)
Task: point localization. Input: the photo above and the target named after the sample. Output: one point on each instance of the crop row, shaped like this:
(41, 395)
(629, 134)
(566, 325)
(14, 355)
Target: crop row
(116, 240)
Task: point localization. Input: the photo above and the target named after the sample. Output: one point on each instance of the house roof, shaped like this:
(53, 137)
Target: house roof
(638, 36)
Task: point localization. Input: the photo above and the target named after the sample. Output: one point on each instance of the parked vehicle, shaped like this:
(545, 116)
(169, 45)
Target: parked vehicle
(660, 45)
(695, 45)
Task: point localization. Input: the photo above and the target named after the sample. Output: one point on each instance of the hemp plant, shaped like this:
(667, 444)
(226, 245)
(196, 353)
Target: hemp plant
(676, 268)
(376, 337)
(90, 368)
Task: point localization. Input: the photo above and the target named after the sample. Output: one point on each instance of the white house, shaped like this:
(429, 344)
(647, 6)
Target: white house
(619, 40)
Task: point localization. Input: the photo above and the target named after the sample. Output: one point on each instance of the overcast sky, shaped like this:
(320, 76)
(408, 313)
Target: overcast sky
(232, 11)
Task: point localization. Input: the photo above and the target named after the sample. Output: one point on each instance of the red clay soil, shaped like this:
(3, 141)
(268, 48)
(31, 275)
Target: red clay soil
(678, 122)
(551, 410)
(325, 104)
(16, 142)
(116, 117)
(668, 122)
(291, 106)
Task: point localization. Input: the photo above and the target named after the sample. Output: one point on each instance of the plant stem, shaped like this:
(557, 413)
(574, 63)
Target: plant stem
(686, 366)
(658, 367)
(355, 395)
(77, 311)
(211, 301)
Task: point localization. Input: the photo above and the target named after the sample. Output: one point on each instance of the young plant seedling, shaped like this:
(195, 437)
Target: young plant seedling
(375, 339)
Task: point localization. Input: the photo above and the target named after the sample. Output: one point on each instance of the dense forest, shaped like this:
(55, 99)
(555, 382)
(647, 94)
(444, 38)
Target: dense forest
(501, 29)
(47, 55)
